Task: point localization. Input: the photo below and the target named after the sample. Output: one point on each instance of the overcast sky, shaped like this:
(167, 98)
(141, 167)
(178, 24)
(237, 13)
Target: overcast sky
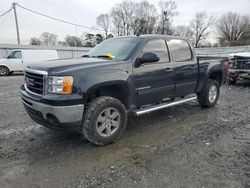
(84, 12)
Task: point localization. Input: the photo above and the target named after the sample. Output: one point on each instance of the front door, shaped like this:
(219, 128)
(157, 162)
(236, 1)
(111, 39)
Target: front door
(154, 81)
(15, 61)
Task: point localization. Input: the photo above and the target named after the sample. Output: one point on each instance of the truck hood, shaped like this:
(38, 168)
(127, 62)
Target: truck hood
(67, 64)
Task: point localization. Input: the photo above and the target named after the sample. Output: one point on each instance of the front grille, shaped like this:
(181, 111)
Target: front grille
(34, 82)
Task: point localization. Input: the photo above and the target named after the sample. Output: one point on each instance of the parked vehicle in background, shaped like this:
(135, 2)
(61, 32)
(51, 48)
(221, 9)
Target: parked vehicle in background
(18, 59)
(238, 67)
(119, 77)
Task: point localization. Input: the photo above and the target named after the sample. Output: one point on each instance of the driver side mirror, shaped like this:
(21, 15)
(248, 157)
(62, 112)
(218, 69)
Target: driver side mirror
(148, 57)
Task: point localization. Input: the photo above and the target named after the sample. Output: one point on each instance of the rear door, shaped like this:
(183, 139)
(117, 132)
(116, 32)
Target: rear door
(185, 67)
(154, 81)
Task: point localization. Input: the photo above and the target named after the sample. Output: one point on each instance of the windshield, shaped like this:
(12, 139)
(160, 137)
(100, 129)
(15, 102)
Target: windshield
(115, 48)
(15, 55)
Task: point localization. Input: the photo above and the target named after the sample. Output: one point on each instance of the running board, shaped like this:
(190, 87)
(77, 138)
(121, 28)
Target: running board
(162, 106)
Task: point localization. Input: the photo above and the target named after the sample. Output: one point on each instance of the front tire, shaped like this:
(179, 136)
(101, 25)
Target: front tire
(209, 95)
(4, 71)
(104, 121)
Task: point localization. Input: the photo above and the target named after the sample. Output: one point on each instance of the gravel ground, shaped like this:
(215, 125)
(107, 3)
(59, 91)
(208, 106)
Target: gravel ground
(183, 146)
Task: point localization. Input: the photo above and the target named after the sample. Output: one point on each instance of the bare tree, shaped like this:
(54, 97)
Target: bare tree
(183, 31)
(48, 39)
(200, 26)
(145, 18)
(103, 21)
(35, 41)
(123, 16)
(245, 38)
(233, 28)
(117, 21)
(168, 12)
(62, 43)
(73, 41)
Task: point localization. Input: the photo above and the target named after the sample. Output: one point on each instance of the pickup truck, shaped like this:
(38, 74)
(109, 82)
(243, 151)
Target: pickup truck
(238, 67)
(120, 77)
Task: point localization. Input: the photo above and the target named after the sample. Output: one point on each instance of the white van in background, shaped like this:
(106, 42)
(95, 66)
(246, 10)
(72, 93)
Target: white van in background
(17, 59)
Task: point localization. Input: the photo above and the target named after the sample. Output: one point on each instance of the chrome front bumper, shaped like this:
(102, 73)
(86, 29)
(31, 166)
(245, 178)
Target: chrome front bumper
(53, 116)
(64, 114)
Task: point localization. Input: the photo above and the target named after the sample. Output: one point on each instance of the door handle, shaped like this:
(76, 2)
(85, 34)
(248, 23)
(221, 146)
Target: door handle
(168, 69)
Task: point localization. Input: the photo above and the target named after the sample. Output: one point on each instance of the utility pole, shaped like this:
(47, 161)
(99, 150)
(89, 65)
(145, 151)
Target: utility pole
(17, 28)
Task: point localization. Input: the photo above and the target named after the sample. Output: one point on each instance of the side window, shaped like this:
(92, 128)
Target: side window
(15, 55)
(159, 47)
(180, 49)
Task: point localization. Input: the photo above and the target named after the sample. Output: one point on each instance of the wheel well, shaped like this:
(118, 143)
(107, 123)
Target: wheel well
(119, 92)
(217, 75)
(5, 67)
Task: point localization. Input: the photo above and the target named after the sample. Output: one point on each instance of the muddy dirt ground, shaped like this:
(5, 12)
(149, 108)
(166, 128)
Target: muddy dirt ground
(183, 146)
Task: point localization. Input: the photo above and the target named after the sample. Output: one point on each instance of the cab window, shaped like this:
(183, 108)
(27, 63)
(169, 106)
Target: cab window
(159, 47)
(180, 50)
(15, 55)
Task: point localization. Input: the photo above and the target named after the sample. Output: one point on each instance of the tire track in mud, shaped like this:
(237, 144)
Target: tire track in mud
(241, 138)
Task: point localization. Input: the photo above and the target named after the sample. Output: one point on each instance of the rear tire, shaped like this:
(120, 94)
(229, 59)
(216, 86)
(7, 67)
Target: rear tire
(209, 95)
(104, 121)
(4, 71)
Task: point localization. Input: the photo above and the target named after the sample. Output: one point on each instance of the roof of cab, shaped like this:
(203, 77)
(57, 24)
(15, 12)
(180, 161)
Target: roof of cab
(153, 36)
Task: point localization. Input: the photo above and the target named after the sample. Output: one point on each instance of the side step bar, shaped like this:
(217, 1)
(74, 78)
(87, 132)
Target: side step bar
(162, 106)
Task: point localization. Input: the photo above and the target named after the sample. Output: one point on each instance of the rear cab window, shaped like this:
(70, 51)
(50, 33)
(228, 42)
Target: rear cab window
(159, 47)
(181, 50)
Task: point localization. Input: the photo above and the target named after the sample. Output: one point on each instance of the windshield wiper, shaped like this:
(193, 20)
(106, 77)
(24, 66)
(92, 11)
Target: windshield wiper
(102, 56)
(86, 55)
(98, 56)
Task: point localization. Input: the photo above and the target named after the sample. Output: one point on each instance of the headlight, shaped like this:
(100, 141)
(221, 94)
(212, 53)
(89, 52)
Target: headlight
(62, 85)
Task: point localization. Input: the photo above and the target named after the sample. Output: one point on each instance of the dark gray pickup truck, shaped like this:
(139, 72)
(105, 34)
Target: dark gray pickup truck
(118, 78)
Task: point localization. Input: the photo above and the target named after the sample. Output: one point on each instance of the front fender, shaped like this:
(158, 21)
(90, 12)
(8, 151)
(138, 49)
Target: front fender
(5, 65)
(95, 79)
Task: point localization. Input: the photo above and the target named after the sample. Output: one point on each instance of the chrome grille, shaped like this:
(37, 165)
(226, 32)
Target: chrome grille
(34, 82)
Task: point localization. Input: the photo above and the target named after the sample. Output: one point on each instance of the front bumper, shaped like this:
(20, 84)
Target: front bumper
(239, 74)
(56, 117)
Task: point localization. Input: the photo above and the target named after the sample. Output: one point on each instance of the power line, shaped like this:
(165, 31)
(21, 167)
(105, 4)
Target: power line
(5, 17)
(56, 19)
(6, 12)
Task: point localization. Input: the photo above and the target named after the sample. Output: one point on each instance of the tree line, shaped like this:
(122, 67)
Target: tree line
(86, 40)
(137, 18)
